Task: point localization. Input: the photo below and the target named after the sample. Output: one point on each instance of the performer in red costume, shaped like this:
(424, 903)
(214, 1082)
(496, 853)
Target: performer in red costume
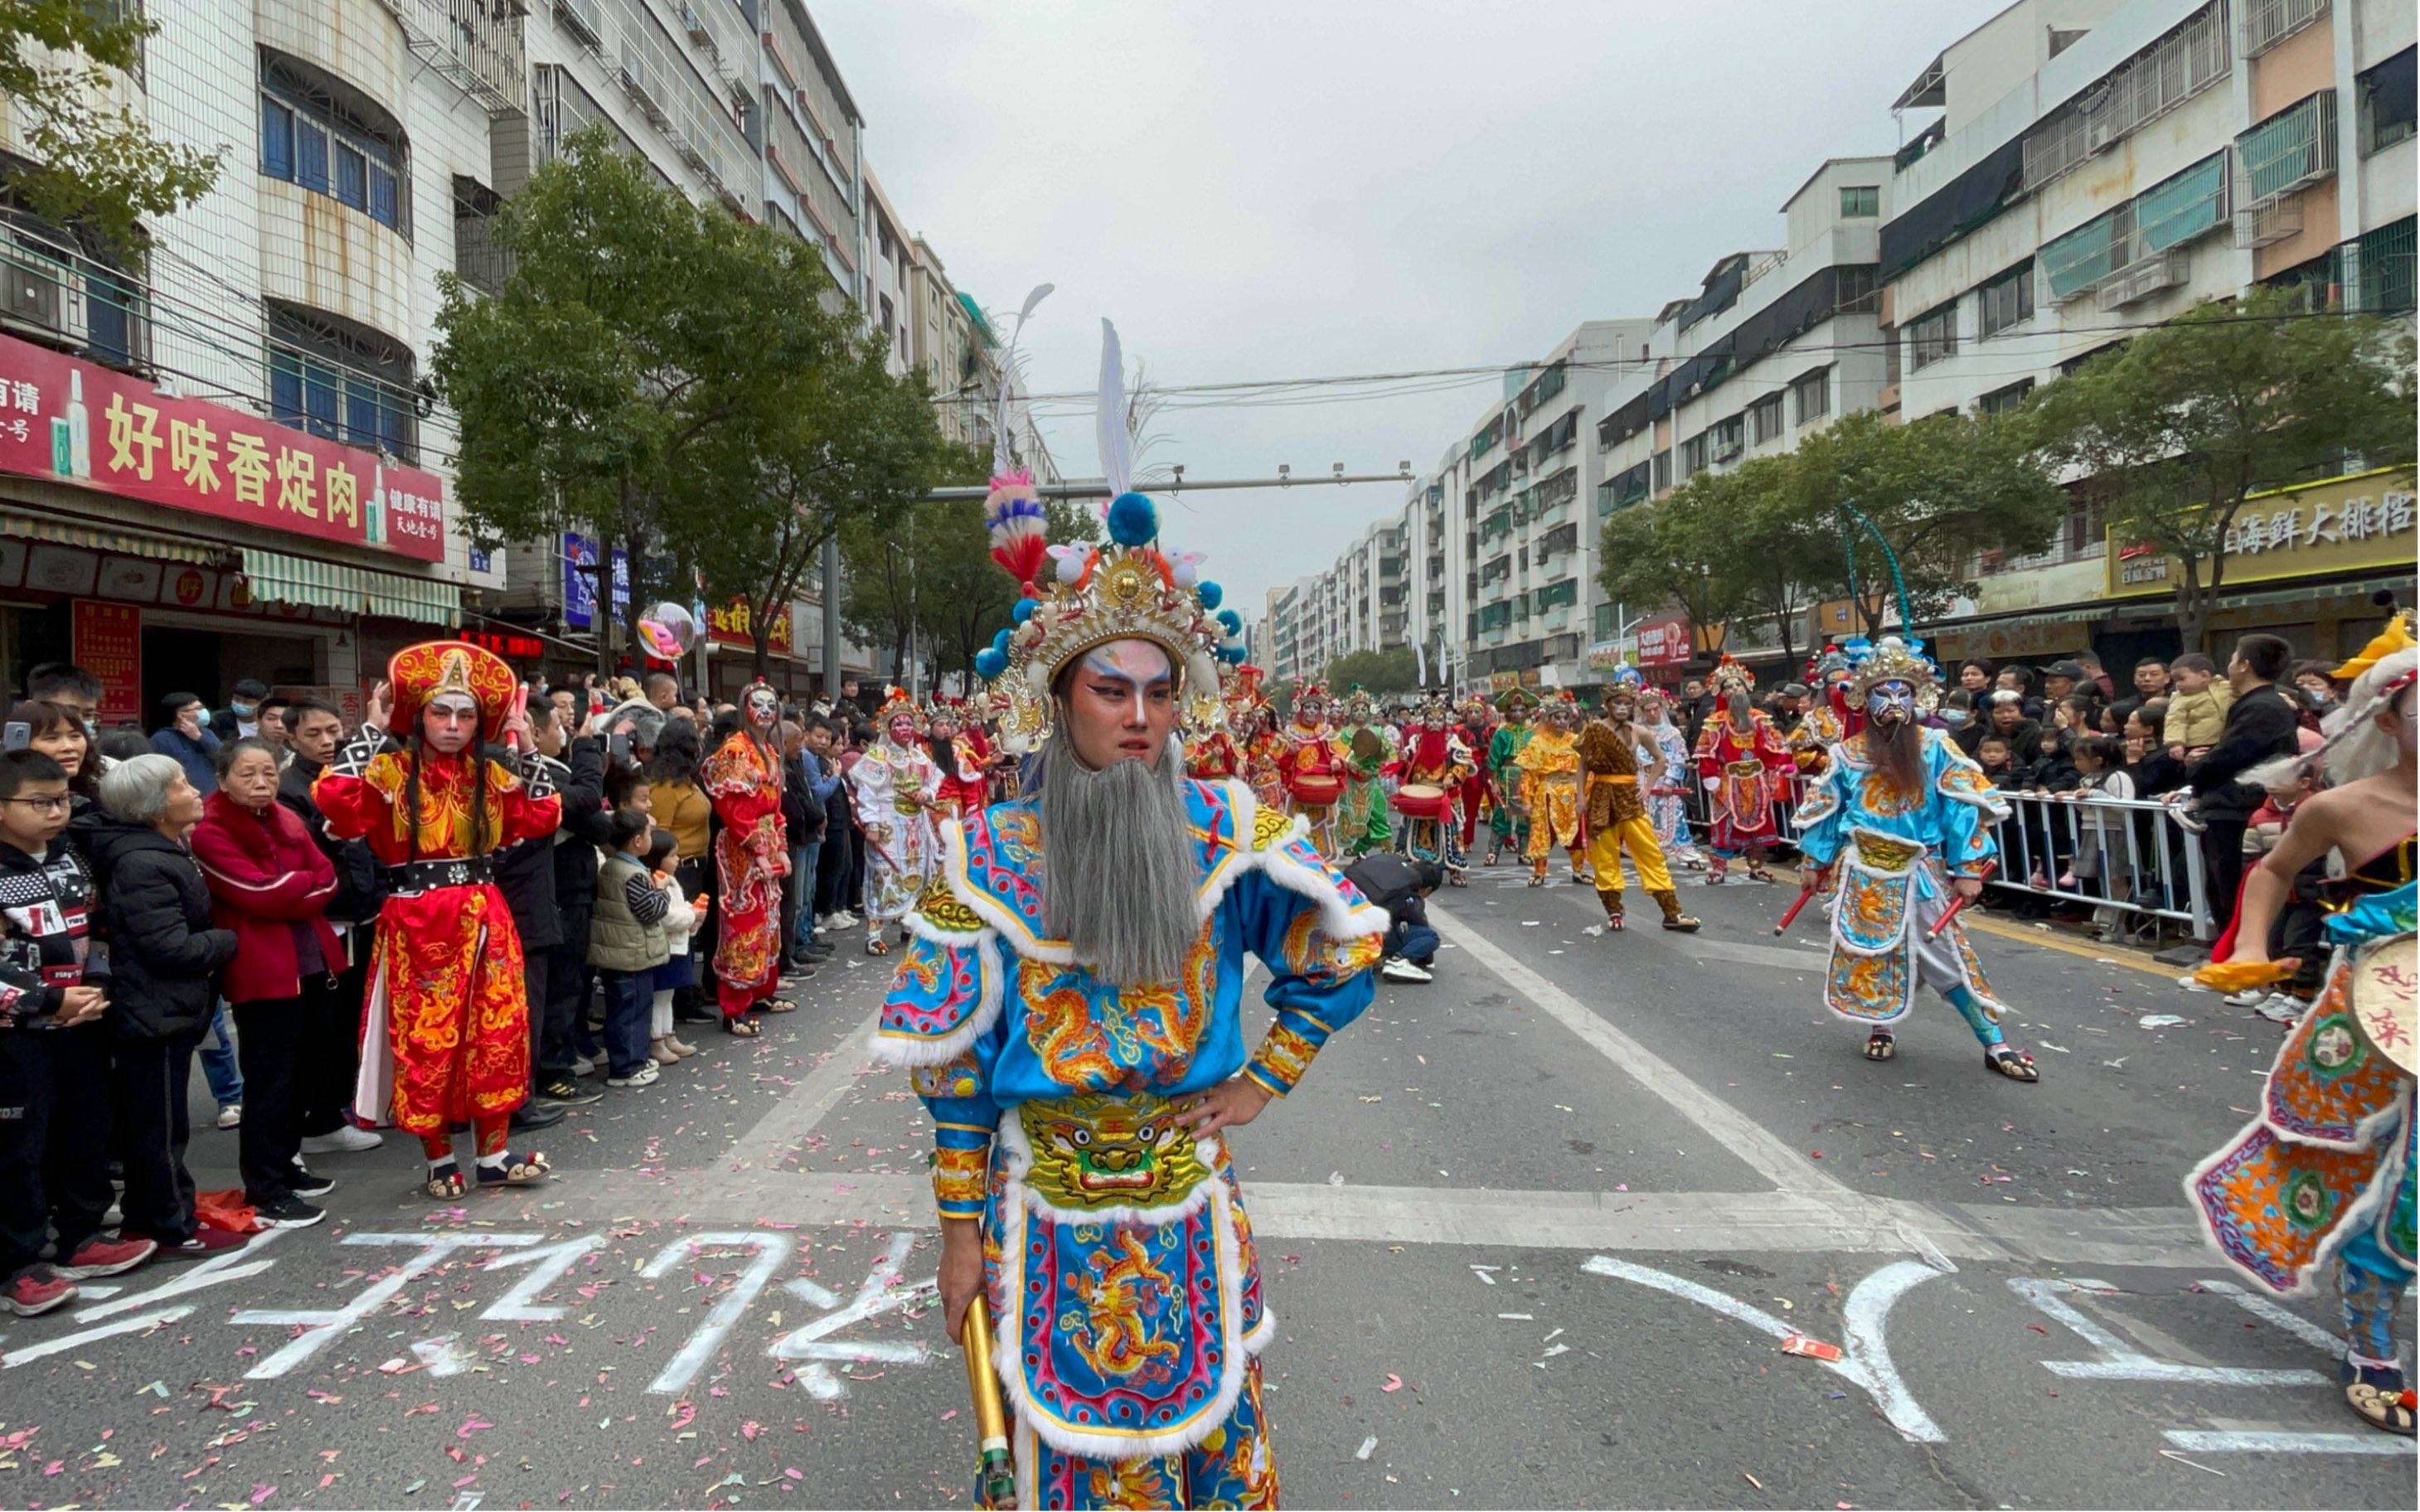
(445, 1028)
(1312, 766)
(1477, 727)
(1743, 763)
(751, 854)
(966, 787)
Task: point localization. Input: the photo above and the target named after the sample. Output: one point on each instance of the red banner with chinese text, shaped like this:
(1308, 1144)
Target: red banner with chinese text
(79, 422)
(733, 625)
(107, 641)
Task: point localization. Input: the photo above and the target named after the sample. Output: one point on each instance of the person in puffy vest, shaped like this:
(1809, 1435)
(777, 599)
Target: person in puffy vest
(626, 942)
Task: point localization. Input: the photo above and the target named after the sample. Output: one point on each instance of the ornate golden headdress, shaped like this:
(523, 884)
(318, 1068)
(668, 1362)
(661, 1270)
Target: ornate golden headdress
(1728, 675)
(896, 704)
(1127, 590)
(422, 673)
(1357, 706)
(1891, 660)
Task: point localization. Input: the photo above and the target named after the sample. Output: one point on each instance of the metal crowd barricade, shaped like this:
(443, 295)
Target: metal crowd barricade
(2126, 854)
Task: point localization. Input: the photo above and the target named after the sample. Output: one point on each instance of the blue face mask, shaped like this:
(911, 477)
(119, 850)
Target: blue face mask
(1890, 702)
(241, 711)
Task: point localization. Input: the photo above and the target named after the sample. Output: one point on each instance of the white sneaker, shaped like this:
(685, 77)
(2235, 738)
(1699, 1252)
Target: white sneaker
(346, 1140)
(2280, 1007)
(2248, 997)
(231, 1115)
(843, 919)
(646, 1075)
(1397, 969)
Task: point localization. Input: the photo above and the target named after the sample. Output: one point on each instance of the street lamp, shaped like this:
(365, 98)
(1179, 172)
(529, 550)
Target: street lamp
(909, 668)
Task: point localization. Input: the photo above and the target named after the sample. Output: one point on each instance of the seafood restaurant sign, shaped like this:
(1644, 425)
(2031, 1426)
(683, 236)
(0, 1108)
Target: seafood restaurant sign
(94, 427)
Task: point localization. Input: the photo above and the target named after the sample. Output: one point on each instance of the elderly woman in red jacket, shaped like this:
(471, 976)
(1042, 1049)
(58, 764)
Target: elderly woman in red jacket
(272, 886)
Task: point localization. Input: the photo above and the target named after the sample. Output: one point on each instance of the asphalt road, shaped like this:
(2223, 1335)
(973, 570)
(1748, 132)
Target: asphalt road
(1532, 1234)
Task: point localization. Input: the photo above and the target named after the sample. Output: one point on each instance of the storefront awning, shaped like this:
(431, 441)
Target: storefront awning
(60, 532)
(287, 579)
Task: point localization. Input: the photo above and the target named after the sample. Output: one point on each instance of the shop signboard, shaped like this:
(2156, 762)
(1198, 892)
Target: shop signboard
(2337, 526)
(733, 624)
(1662, 644)
(107, 641)
(95, 427)
(1612, 655)
(579, 582)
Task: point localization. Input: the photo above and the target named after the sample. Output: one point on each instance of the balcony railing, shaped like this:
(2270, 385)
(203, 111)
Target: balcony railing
(475, 44)
(2267, 23)
(53, 294)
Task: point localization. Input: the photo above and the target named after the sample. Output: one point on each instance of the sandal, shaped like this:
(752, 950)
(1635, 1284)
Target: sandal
(1755, 873)
(875, 945)
(1613, 924)
(2010, 1062)
(529, 1170)
(778, 1005)
(1683, 924)
(1880, 1046)
(1537, 881)
(2388, 1409)
(742, 1028)
(444, 1182)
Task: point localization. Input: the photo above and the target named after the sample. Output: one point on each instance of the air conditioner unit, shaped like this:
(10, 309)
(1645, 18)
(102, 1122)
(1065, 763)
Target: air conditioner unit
(2144, 279)
(1730, 452)
(695, 25)
(31, 300)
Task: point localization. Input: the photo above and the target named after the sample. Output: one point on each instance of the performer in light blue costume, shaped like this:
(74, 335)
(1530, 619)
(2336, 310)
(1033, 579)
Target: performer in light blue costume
(1899, 822)
(1070, 1008)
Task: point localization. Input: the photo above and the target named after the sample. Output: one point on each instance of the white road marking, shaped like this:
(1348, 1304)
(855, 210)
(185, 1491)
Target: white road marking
(549, 1262)
(1868, 1362)
(1764, 1152)
(2239, 1442)
(769, 1251)
(2119, 1360)
(322, 1326)
(235, 1265)
(880, 1292)
(137, 1324)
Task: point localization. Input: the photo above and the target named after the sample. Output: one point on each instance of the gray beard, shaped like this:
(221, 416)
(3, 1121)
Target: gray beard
(1118, 868)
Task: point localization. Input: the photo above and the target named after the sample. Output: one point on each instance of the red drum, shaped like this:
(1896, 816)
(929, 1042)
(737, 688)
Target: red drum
(1420, 800)
(1317, 792)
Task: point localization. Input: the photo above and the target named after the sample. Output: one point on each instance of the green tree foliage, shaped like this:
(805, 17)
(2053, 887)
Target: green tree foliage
(1685, 549)
(1392, 673)
(2177, 429)
(663, 377)
(98, 168)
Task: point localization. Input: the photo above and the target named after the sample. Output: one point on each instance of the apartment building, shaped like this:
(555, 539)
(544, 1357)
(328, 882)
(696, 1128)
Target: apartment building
(2155, 155)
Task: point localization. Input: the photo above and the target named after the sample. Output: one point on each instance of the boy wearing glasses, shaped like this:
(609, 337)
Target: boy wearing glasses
(44, 896)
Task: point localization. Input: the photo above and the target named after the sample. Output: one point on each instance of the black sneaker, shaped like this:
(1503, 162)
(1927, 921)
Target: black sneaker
(568, 1092)
(286, 1211)
(537, 1115)
(307, 1183)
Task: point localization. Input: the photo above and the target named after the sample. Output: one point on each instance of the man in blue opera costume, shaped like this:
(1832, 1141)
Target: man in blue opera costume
(1070, 1008)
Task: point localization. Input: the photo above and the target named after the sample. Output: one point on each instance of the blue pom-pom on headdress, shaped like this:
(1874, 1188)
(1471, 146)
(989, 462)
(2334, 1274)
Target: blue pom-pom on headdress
(1233, 621)
(1000, 642)
(1133, 521)
(1211, 595)
(1024, 610)
(990, 662)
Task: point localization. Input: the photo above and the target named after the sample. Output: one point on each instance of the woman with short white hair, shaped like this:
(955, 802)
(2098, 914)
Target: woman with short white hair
(164, 959)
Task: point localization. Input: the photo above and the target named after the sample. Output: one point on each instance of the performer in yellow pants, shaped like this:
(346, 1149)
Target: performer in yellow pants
(1615, 754)
(1549, 765)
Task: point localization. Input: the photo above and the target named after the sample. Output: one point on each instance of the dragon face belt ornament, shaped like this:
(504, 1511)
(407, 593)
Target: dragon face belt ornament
(1095, 1152)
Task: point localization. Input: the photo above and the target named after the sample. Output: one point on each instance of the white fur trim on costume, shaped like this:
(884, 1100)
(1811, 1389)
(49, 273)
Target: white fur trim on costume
(1008, 1360)
(891, 1048)
(1012, 930)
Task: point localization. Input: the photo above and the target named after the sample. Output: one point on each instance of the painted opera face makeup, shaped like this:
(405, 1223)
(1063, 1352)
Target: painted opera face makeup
(1122, 703)
(764, 708)
(902, 730)
(1890, 703)
(450, 722)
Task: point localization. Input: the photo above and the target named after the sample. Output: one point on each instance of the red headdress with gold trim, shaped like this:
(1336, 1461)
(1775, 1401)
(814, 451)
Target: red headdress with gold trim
(419, 673)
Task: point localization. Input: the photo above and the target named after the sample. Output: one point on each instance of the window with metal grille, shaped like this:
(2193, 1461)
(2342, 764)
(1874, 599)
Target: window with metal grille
(330, 139)
(1624, 489)
(2006, 301)
(2001, 401)
(1859, 290)
(1933, 336)
(1663, 461)
(342, 381)
(2386, 93)
(1692, 456)
(1810, 394)
(2189, 58)
(1730, 437)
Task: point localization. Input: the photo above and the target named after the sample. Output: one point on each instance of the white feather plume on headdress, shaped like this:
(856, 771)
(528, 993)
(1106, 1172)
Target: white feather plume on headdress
(1011, 372)
(1109, 419)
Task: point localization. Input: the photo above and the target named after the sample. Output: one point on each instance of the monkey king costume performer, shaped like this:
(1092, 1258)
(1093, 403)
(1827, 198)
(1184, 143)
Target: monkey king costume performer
(1313, 768)
(743, 779)
(1063, 1007)
(1368, 748)
(1742, 762)
(1611, 749)
(895, 789)
(2320, 1182)
(1549, 763)
(1509, 819)
(1475, 729)
(1899, 825)
(1436, 767)
(445, 1025)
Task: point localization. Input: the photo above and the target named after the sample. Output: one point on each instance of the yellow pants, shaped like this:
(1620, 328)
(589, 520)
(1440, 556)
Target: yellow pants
(1637, 836)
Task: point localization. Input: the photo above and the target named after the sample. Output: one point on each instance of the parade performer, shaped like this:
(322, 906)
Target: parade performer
(1621, 760)
(1549, 765)
(1370, 750)
(1071, 1010)
(445, 1036)
(1212, 754)
(1313, 768)
(1742, 760)
(895, 789)
(1831, 721)
(965, 785)
(2321, 1180)
(1901, 820)
(1510, 821)
(1476, 730)
(1254, 725)
(1668, 797)
(1436, 757)
(743, 779)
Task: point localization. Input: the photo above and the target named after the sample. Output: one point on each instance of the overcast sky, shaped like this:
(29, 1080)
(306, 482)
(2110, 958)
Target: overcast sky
(1256, 191)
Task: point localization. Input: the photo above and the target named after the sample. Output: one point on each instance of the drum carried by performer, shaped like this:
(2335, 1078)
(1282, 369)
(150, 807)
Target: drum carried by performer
(1436, 766)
